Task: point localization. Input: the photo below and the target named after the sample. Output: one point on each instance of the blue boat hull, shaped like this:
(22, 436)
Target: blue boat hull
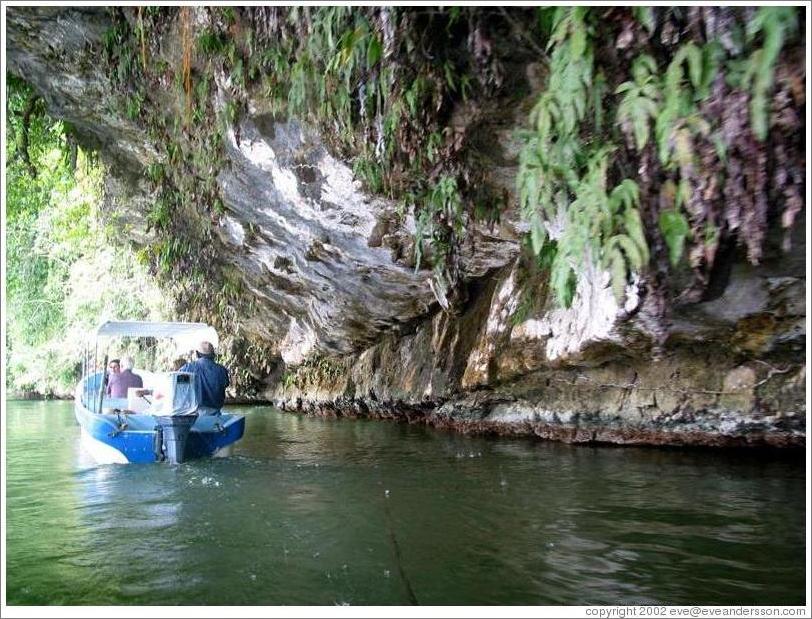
(131, 437)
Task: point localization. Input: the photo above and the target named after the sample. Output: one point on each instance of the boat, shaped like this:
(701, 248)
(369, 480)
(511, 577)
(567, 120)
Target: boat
(159, 422)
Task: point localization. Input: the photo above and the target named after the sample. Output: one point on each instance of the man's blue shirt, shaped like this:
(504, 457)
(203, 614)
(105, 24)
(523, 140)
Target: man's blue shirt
(211, 381)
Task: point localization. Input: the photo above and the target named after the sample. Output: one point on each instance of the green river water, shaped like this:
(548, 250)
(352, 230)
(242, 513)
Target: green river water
(315, 511)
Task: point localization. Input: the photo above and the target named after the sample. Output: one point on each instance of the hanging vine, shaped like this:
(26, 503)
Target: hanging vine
(681, 112)
(659, 134)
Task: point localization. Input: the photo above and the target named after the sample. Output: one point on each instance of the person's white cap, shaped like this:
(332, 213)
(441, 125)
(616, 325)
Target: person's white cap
(205, 348)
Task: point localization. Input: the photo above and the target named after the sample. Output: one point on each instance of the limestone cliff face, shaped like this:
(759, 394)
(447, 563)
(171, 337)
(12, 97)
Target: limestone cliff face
(730, 374)
(354, 329)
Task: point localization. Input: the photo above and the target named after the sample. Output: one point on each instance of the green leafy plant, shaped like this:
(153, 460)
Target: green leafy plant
(678, 119)
(775, 25)
(57, 250)
(645, 15)
(640, 99)
(134, 104)
(442, 200)
(315, 371)
(562, 181)
(675, 231)
(211, 43)
(155, 172)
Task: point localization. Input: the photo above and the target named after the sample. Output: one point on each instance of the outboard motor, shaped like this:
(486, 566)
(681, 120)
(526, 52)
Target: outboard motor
(174, 432)
(175, 413)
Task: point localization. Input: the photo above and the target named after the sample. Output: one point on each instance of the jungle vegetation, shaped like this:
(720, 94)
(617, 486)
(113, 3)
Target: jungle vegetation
(59, 251)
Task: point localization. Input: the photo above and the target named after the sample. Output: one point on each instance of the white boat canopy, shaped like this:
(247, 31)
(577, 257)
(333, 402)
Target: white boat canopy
(185, 334)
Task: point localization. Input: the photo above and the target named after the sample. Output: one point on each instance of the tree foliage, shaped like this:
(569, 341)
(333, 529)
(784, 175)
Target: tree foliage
(57, 251)
(37, 175)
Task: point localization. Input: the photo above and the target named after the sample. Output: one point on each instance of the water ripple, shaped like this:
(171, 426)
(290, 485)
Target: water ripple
(313, 511)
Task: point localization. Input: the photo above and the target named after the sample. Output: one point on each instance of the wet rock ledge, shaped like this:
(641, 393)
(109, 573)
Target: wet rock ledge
(731, 372)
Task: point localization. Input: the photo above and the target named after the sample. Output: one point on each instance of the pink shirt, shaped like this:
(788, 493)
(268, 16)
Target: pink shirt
(119, 383)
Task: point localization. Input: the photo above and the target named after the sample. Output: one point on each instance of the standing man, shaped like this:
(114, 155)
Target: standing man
(211, 379)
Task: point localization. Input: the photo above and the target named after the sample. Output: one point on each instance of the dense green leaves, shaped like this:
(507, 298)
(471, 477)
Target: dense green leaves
(563, 180)
(29, 210)
(675, 231)
(374, 51)
(57, 254)
(774, 24)
(640, 100)
(565, 168)
(686, 81)
(645, 15)
(210, 42)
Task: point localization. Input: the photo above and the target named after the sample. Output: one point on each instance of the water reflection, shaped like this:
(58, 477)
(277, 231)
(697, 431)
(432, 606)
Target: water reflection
(312, 511)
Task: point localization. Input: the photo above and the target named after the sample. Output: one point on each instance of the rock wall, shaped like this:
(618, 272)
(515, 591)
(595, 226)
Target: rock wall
(732, 372)
(354, 329)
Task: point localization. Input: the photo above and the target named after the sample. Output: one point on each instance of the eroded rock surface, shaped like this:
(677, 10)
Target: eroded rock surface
(477, 373)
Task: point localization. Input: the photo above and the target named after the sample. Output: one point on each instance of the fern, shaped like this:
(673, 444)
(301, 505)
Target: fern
(562, 181)
(134, 104)
(775, 24)
(640, 101)
(712, 56)
(677, 103)
(687, 80)
(675, 230)
(634, 229)
(374, 51)
(645, 15)
(442, 202)
(600, 226)
(155, 172)
(211, 43)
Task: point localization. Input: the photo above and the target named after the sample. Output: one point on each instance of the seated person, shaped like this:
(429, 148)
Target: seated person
(113, 368)
(123, 380)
